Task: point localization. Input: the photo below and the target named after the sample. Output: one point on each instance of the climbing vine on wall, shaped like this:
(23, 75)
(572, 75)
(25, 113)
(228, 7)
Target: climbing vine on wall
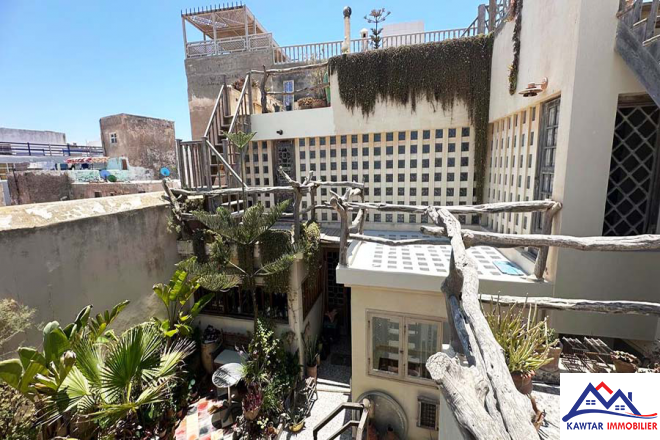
(513, 70)
(441, 73)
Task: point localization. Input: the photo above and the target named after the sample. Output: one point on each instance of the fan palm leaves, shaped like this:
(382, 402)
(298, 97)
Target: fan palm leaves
(113, 380)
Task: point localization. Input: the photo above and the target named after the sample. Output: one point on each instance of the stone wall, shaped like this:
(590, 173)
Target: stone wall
(146, 142)
(25, 187)
(60, 257)
(38, 187)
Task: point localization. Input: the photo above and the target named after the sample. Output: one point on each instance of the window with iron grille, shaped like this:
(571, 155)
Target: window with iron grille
(634, 186)
(545, 170)
(427, 410)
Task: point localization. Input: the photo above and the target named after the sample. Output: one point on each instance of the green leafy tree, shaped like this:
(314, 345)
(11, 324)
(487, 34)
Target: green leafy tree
(376, 17)
(175, 296)
(238, 237)
(15, 318)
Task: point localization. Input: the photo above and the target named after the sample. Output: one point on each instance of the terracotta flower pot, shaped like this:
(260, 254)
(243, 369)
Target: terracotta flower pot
(523, 382)
(312, 371)
(554, 354)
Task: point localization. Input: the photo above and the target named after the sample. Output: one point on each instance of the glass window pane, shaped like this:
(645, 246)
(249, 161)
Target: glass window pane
(422, 343)
(385, 344)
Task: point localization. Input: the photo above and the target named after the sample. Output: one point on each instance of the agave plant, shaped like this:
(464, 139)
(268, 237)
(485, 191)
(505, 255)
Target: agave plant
(524, 339)
(113, 381)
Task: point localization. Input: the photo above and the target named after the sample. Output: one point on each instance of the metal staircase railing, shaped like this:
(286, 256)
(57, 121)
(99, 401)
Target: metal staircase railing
(360, 424)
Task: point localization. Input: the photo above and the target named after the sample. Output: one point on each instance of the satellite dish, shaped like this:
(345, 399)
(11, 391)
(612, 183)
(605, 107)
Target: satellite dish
(104, 174)
(165, 172)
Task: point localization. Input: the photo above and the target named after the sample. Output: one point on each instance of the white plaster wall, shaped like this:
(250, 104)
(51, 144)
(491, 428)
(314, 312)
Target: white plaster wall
(600, 77)
(572, 43)
(59, 257)
(390, 116)
(405, 393)
(299, 123)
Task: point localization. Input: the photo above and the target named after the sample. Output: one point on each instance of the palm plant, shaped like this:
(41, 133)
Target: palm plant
(114, 381)
(242, 235)
(36, 372)
(175, 296)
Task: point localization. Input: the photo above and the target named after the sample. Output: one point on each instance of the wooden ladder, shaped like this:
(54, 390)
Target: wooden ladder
(638, 45)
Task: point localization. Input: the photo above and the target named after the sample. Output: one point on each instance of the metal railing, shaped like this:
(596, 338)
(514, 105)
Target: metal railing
(55, 150)
(489, 18)
(226, 46)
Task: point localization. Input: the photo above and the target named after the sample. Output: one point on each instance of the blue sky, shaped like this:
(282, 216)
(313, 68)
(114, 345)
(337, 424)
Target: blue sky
(65, 64)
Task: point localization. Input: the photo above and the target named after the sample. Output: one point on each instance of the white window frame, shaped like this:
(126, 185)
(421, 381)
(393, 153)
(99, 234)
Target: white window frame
(113, 138)
(404, 320)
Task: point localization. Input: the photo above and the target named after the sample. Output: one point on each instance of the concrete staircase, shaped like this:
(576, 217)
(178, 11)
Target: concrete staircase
(638, 44)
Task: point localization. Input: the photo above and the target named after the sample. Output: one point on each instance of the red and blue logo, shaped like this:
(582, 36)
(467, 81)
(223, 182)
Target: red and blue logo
(609, 405)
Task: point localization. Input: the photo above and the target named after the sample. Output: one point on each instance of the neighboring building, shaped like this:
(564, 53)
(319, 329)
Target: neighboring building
(146, 142)
(34, 136)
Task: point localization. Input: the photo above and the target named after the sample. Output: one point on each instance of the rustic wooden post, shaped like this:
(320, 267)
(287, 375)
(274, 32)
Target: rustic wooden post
(492, 15)
(505, 414)
(481, 20)
(542, 257)
(250, 103)
(338, 206)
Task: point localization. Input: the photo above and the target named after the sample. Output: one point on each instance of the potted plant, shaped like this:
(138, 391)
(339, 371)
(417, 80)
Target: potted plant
(295, 419)
(311, 102)
(625, 362)
(554, 351)
(252, 402)
(524, 341)
(312, 351)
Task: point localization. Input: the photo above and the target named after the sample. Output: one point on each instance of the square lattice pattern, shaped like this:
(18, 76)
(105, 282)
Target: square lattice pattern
(632, 172)
(433, 260)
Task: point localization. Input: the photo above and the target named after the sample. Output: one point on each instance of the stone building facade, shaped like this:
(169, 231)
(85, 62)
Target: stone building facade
(146, 142)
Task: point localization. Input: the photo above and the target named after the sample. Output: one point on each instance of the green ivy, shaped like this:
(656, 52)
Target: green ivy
(513, 70)
(441, 73)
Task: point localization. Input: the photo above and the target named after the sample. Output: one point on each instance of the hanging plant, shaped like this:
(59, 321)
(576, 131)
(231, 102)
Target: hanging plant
(441, 73)
(513, 69)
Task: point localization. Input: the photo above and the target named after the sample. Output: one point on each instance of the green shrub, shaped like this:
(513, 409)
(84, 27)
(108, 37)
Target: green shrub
(16, 415)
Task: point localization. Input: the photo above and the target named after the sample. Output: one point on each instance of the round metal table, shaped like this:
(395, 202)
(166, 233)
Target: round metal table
(227, 376)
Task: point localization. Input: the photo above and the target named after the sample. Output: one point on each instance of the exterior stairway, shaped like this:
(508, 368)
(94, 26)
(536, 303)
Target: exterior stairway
(638, 45)
(214, 162)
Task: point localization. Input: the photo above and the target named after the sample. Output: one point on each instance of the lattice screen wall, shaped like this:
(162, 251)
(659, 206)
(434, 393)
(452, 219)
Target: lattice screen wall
(632, 186)
(512, 167)
(418, 167)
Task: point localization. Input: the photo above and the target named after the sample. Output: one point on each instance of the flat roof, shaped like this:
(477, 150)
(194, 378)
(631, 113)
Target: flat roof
(424, 267)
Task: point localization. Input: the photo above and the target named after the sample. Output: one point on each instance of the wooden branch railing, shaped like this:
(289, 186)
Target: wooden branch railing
(614, 307)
